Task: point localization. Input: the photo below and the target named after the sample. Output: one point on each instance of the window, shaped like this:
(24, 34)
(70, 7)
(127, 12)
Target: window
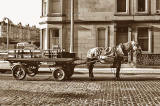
(142, 6)
(122, 34)
(44, 8)
(101, 37)
(122, 6)
(158, 6)
(54, 34)
(143, 38)
(55, 6)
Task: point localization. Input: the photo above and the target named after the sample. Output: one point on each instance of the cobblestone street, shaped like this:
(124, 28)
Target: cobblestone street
(132, 89)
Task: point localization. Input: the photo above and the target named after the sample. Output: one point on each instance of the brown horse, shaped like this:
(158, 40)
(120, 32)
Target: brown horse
(103, 55)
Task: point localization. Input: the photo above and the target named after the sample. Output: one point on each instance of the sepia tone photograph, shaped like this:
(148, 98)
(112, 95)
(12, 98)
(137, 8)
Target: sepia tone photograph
(79, 52)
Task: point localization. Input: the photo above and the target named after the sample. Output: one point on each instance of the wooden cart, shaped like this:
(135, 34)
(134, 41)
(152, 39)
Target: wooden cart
(63, 67)
(27, 63)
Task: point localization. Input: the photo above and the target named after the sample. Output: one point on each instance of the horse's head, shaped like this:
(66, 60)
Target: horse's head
(136, 47)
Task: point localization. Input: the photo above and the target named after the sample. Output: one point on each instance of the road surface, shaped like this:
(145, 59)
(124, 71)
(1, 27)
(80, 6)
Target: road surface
(132, 89)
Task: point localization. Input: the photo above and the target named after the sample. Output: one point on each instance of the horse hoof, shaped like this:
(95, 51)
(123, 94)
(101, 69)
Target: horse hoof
(112, 67)
(92, 79)
(117, 78)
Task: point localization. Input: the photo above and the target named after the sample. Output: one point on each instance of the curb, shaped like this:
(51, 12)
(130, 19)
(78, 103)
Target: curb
(111, 70)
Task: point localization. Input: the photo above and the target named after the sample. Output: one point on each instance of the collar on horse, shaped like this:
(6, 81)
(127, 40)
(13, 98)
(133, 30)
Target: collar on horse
(125, 47)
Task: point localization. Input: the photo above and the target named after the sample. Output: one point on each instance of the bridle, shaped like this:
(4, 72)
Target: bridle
(138, 48)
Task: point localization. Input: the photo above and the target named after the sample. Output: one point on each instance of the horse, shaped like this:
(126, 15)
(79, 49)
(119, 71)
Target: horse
(117, 54)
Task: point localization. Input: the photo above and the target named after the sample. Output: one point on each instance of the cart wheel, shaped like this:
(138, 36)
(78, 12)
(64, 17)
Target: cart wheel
(32, 71)
(69, 72)
(58, 74)
(18, 72)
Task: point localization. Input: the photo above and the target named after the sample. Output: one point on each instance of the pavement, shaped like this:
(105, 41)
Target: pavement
(112, 70)
(4, 65)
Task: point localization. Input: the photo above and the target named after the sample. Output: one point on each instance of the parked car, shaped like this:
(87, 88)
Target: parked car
(4, 66)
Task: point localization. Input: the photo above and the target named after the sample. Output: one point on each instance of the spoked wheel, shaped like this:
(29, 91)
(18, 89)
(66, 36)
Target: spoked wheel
(58, 74)
(69, 71)
(32, 71)
(19, 72)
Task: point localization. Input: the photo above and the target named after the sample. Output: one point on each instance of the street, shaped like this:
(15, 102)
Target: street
(132, 89)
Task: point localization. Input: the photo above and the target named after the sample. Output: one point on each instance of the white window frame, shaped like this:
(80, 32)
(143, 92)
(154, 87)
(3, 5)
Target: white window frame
(54, 37)
(149, 39)
(146, 7)
(122, 13)
(44, 11)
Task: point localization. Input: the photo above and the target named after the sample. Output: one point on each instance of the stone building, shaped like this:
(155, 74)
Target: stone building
(101, 23)
(18, 33)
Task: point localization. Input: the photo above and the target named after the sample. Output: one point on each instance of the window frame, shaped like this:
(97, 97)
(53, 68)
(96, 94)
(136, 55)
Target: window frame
(122, 13)
(44, 9)
(54, 38)
(146, 8)
(98, 35)
(147, 37)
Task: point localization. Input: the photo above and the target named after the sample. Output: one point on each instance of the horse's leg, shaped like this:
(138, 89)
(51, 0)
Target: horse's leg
(118, 67)
(90, 66)
(91, 71)
(114, 63)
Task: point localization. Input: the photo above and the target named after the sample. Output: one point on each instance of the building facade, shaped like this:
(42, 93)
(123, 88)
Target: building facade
(101, 23)
(18, 33)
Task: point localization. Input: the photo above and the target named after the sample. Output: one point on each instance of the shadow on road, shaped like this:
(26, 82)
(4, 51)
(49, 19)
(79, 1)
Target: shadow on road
(114, 79)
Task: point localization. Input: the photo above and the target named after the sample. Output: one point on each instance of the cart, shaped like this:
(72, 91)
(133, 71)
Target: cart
(21, 65)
